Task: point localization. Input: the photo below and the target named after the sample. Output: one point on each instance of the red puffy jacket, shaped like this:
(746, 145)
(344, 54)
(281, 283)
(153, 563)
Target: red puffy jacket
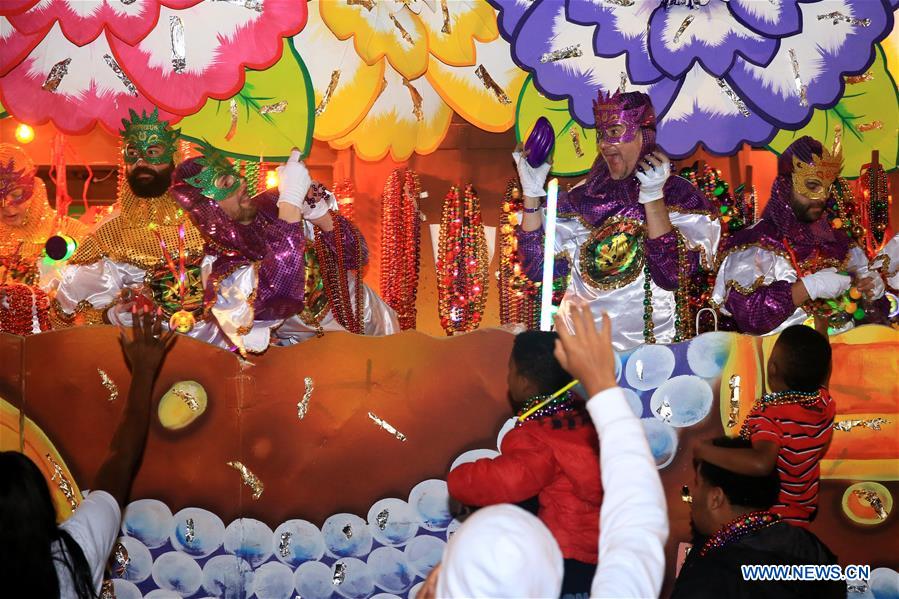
(555, 458)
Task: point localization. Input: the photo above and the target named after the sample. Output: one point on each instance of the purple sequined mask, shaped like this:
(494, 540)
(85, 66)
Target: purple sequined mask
(16, 186)
(616, 124)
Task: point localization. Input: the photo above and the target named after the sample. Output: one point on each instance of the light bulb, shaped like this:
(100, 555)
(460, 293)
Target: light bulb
(271, 179)
(24, 133)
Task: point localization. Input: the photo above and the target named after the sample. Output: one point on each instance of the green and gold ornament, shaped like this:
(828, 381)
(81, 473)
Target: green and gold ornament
(219, 177)
(143, 132)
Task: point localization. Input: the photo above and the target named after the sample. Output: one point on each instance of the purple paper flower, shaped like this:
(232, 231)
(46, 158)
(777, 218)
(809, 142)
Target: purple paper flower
(720, 72)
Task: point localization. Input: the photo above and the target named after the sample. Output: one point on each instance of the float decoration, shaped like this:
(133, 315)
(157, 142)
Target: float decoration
(273, 113)
(401, 69)
(719, 73)
(187, 56)
(868, 112)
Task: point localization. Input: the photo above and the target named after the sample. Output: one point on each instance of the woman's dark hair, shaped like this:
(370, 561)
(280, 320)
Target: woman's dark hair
(806, 358)
(759, 492)
(532, 353)
(28, 522)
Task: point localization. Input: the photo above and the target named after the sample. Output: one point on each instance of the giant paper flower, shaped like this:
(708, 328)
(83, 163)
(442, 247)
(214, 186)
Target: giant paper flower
(720, 72)
(388, 74)
(77, 63)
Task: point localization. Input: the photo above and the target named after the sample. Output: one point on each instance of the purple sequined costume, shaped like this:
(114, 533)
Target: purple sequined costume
(755, 279)
(272, 247)
(601, 243)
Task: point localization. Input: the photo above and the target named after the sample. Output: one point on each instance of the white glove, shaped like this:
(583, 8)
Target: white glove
(533, 180)
(826, 284)
(879, 288)
(652, 180)
(293, 181)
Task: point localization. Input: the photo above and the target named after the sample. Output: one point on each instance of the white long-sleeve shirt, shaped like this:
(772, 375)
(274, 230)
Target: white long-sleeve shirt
(634, 515)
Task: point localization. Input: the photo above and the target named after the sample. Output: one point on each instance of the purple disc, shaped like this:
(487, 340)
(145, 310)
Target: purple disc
(540, 142)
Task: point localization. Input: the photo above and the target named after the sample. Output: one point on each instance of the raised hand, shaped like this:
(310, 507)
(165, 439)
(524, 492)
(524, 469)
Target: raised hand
(652, 172)
(293, 180)
(148, 345)
(533, 180)
(586, 353)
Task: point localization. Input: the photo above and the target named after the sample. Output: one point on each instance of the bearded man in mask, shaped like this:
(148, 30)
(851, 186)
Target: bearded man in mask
(149, 253)
(796, 263)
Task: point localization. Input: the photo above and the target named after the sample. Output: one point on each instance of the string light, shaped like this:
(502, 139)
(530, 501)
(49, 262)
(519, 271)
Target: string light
(271, 179)
(24, 134)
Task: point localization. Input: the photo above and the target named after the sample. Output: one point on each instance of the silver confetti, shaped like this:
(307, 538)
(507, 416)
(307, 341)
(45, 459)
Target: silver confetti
(683, 28)
(54, 77)
(120, 74)
(802, 89)
(62, 482)
(122, 559)
(339, 574)
(874, 501)
(179, 51)
(622, 84)
(284, 545)
(250, 4)
(638, 368)
(562, 53)
(277, 108)
(107, 591)
(187, 398)
(387, 427)
(576, 142)
(382, 517)
(664, 411)
(838, 17)
(873, 423)
(189, 534)
(303, 405)
(734, 385)
(109, 384)
(127, 2)
(492, 85)
(730, 93)
(348, 531)
(857, 586)
(335, 77)
(620, 2)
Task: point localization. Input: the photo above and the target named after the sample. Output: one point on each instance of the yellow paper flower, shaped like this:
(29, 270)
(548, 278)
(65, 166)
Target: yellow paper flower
(388, 74)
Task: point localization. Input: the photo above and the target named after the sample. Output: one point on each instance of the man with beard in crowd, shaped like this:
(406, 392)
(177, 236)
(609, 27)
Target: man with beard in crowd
(139, 256)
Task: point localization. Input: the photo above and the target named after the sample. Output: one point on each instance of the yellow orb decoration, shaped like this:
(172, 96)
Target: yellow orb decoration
(837, 223)
(854, 293)
(850, 307)
(24, 134)
(182, 321)
(182, 404)
(271, 179)
(867, 503)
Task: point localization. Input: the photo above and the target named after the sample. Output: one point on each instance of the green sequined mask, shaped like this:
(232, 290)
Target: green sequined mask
(143, 132)
(216, 169)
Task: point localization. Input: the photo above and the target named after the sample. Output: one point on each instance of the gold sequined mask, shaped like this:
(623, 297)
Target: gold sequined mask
(814, 180)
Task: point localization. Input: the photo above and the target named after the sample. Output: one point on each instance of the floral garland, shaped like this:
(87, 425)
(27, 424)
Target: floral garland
(18, 306)
(401, 245)
(519, 300)
(461, 263)
(344, 193)
(335, 277)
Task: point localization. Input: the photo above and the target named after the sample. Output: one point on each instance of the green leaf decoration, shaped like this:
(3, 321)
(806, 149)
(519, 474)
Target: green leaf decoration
(270, 136)
(567, 161)
(862, 106)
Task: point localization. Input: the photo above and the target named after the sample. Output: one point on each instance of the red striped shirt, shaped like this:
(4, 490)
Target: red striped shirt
(802, 434)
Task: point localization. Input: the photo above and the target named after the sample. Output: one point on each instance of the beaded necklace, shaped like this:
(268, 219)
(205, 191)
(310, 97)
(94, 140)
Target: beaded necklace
(782, 398)
(519, 296)
(558, 404)
(401, 245)
(335, 276)
(738, 528)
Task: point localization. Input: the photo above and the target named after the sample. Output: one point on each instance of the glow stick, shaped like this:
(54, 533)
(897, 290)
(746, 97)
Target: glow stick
(549, 254)
(567, 387)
